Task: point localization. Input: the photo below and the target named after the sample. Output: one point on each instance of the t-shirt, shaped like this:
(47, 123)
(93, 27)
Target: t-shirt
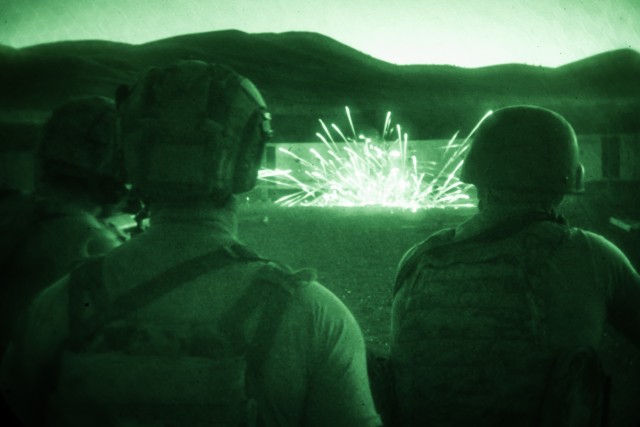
(315, 373)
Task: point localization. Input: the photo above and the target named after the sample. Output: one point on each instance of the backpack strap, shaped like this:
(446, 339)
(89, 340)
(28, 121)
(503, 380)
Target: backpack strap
(90, 307)
(499, 231)
(272, 287)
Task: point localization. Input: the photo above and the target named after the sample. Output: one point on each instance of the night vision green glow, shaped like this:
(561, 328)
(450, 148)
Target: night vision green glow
(357, 170)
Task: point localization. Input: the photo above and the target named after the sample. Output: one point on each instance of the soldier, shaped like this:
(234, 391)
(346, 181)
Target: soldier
(496, 322)
(183, 325)
(46, 234)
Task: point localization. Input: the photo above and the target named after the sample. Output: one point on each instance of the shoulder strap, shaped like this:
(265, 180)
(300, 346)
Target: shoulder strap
(497, 232)
(90, 307)
(272, 287)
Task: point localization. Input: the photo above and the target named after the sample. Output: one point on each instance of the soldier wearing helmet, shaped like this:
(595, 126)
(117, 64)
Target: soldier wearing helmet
(183, 325)
(47, 233)
(497, 321)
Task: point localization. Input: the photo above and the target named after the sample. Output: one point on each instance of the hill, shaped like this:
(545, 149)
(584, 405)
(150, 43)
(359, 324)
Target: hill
(305, 76)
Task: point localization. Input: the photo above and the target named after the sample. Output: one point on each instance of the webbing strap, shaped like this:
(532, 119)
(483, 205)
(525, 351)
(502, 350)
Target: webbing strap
(268, 326)
(275, 299)
(87, 295)
(260, 292)
(90, 307)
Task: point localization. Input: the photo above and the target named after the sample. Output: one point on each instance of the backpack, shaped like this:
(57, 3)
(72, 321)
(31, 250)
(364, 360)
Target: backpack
(118, 387)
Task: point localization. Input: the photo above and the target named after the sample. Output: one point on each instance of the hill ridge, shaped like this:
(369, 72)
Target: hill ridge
(306, 75)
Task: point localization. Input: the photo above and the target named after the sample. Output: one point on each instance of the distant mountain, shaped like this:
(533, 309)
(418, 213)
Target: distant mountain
(306, 76)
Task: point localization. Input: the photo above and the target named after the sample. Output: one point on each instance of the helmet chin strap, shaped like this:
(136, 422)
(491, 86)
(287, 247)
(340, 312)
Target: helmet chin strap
(578, 183)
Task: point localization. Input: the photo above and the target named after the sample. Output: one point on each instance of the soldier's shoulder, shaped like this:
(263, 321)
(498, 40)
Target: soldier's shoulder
(585, 239)
(438, 238)
(445, 235)
(603, 246)
(309, 295)
(281, 274)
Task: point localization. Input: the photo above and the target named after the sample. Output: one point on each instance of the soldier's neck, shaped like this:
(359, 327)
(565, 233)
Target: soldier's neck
(492, 214)
(204, 215)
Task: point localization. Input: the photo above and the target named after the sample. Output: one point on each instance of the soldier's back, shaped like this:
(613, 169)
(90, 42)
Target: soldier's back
(479, 325)
(43, 241)
(305, 354)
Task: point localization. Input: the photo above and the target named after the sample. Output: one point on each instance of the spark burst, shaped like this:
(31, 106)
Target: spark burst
(360, 171)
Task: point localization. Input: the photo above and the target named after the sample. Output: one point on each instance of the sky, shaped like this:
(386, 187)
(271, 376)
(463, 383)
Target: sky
(467, 33)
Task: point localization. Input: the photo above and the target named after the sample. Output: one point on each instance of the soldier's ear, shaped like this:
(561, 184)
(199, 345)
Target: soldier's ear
(122, 93)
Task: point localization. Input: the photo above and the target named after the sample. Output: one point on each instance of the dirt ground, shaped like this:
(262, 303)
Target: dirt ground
(356, 251)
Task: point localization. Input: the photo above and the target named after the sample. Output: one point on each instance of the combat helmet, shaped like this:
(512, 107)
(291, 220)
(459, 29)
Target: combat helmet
(193, 129)
(79, 142)
(525, 148)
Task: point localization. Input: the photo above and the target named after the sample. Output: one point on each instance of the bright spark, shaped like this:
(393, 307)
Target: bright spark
(359, 171)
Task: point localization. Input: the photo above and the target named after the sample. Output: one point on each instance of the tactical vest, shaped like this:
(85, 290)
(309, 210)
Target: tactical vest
(469, 330)
(115, 372)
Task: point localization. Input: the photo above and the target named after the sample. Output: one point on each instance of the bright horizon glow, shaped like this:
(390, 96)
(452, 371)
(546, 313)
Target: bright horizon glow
(465, 33)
